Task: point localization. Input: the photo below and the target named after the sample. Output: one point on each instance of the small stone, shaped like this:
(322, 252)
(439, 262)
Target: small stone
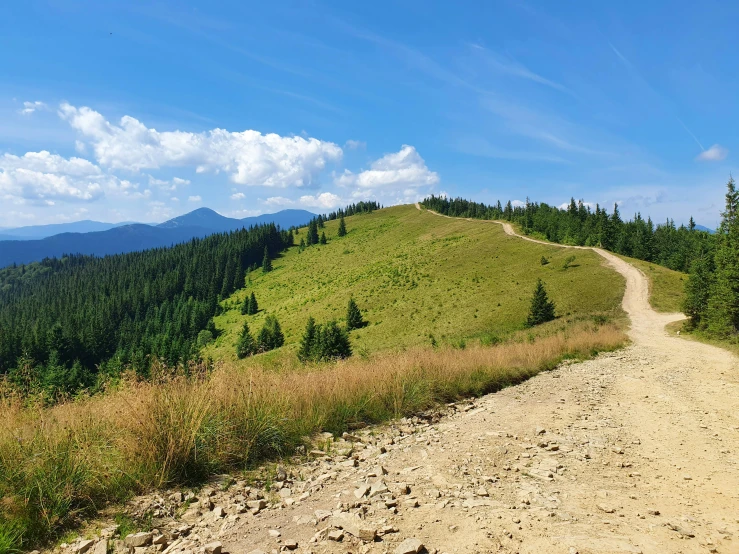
(681, 529)
(219, 512)
(322, 514)
(83, 546)
(159, 539)
(606, 508)
(285, 493)
(290, 544)
(274, 533)
(362, 491)
(335, 535)
(378, 488)
(482, 491)
(136, 540)
(540, 430)
(101, 547)
(653, 512)
(687, 478)
(409, 546)
(214, 547)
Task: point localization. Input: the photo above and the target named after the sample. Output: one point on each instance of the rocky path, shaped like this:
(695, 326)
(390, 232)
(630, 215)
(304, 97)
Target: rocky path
(635, 451)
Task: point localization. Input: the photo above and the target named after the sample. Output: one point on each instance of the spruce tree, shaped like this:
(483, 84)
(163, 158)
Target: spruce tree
(270, 337)
(323, 237)
(307, 348)
(245, 345)
(342, 227)
(312, 232)
(723, 304)
(245, 306)
(266, 262)
(698, 290)
(333, 342)
(354, 318)
(252, 307)
(542, 309)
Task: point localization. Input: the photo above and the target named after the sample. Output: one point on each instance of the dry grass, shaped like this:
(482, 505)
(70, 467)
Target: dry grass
(62, 462)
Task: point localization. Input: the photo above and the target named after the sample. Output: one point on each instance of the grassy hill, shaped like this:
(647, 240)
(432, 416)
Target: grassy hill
(417, 275)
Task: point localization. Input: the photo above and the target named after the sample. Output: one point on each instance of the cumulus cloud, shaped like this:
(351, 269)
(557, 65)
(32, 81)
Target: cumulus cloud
(323, 200)
(44, 177)
(248, 157)
(396, 171)
(278, 201)
(31, 107)
(167, 185)
(238, 196)
(715, 153)
(194, 199)
(355, 144)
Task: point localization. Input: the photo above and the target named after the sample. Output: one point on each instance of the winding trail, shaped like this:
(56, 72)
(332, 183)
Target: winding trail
(633, 451)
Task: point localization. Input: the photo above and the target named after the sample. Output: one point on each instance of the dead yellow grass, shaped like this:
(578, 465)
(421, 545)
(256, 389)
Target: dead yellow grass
(146, 435)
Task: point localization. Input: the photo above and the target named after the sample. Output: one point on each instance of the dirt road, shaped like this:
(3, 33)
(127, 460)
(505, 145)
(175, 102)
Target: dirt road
(635, 451)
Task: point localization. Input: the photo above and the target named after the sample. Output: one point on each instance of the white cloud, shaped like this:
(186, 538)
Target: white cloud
(163, 184)
(397, 171)
(518, 203)
(238, 196)
(248, 157)
(31, 107)
(566, 205)
(43, 177)
(323, 200)
(278, 201)
(355, 144)
(715, 153)
(194, 199)
(174, 199)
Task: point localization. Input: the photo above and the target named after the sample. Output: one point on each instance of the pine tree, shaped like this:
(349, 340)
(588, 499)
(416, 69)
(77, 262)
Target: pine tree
(266, 262)
(312, 232)
(245, 345)
(542, 309)
(698, 290)
(354, 318)
(307, 348)
(342, 227)
(723, 304)
(323, 237)
(270, 337)
(245, 306)
(252, 307)
(334, 342)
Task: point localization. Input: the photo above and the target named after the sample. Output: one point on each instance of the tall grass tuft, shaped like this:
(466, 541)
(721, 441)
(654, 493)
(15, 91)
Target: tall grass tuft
(61, 463)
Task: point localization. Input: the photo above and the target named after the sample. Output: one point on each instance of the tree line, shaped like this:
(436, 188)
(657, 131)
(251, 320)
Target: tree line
(579, 225)
(79, 316)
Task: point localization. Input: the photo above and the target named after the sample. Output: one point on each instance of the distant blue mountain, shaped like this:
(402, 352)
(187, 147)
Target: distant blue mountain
(43, 231)
(135, 237)
(209, 219)
(704, 228)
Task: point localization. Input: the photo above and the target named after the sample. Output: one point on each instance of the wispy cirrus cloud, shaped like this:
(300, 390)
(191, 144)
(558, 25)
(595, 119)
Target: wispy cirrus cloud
(509, 66)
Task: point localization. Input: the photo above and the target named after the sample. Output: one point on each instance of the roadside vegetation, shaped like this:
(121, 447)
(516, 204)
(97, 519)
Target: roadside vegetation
(60, 464)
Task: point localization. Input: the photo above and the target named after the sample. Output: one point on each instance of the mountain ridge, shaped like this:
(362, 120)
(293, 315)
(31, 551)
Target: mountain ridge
(138, 236)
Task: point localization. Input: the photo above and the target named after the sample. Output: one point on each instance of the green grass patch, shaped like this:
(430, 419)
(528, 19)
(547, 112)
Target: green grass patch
(666, 286)
(415, 276)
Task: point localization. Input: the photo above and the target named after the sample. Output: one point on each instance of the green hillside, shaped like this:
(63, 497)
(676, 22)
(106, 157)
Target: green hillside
(417, 275)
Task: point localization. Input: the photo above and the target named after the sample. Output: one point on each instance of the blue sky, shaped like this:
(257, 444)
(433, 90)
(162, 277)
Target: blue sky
(119, 111)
